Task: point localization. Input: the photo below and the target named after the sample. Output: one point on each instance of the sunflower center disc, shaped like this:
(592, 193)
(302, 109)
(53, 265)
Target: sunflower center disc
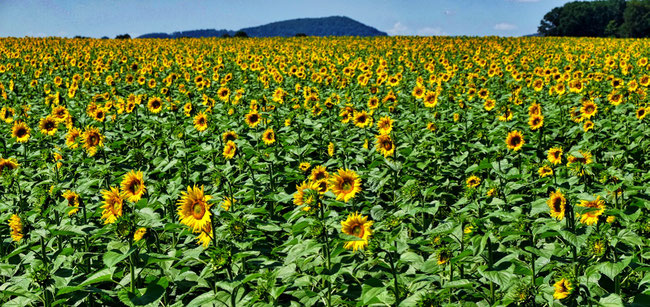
(198, 210)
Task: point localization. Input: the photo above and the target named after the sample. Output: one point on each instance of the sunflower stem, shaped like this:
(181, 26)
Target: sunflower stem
(327, 250)
(394, 272)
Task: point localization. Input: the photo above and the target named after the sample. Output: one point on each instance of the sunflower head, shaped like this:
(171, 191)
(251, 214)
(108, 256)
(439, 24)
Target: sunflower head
(253, 118)
(555, 155)
(133, 186)
(229, 150)
(112, 208)
(139, 234)
(20, 131)
(229, 136)
(268, 136)
(357, 225)
(16, 227)
(8, 164)
(48, 125)
(535, 122)
(194, 209)
(201, 122)
(515, 140)
(318, 173)
(73, 201)
(345, 184)
(557, 205)
(596, 208)
(155, 105)
(563, 288)
(473, 181)
(306, 195)
(545, 171)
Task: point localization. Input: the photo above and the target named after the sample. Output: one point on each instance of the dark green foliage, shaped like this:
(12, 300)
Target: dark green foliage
(598, 19)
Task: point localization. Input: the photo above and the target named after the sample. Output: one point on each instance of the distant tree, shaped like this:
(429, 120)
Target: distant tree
(123, 36)
(550, 23)
(300, 35)
(240, 34)
(105, 37)
(225, 35)
(636, 19)
(81, 37)
(582, 18)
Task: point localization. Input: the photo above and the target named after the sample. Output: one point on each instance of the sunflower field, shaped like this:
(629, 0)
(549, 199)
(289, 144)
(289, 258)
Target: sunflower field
(395, 171)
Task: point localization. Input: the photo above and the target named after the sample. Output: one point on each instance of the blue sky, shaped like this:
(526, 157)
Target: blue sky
(96, 18)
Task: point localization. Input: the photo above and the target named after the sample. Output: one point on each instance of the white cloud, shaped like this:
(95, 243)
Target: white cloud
(398, 29)
(504, 26)
(429, 31)
(448, 12)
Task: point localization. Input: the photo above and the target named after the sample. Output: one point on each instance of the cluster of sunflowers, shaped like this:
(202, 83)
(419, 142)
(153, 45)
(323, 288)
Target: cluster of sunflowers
(331, 171)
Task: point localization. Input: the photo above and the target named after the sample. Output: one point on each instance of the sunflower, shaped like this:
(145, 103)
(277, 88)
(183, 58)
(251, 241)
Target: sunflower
(306, 195)
(345, 184)
(205, 237)
(385, 145)
(615, 98)
(591, 217)
(362, 119)
(92, 139)
(535, 122)
(139, 234)
(187, 109)
(588, 109)
(60, 114)
(268, 136)
(133, 186)
(357, 225)
(229, 136)
(20, 131)
(489, 104)
(253, 118)
(418, 91)
(443, 256)
(16, 226)
(515, 140)
(555, 155)
(318, 173)
(229, 150)
(304, 166)
(473, 182)
(585, 159)
(641, 113)
(588, 125)
(534, 109)
(73, 201)
(545, 171)
(223, 93)
(194, 209)
(98, 114)
(227, 203)
(113, 202)
(48, 125)
(155, 105)
(385, 125)
(431, 99)
(373, 102)
(201, 122)
(557, 204)
(9, 164)
(330, 149)
(563, 289)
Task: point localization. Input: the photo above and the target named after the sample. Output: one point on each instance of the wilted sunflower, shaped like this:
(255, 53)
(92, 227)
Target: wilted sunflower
(194, 209)
(20, 131)
(113, 202)
(557, 204)
(229, 150)
(268, 136)
(201, 122)
(385, 125)
(357, 225)
(73, 201)
(229, 136)
(16, 226)
(515, 140)
(535, 122)
(591, 217)
(345, 184)
(306, 195)
(385, 145)
(139, 234)
(545, 171)
(48, 125)
(555, 155)
(9, 164)
(155, 105)
(253, 118)
(473, 181)
(563, 289)
(133, 186)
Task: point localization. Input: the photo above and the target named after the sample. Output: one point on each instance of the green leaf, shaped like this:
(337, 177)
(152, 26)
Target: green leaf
(101, 276)
(612, 300)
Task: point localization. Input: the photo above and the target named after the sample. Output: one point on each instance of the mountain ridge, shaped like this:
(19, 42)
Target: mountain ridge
(319, 26)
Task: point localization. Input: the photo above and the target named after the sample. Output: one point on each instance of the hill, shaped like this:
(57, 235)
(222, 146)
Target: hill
(324, 26)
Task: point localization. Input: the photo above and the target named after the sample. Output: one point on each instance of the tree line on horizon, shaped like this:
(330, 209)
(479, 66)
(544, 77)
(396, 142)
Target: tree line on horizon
(602, 18)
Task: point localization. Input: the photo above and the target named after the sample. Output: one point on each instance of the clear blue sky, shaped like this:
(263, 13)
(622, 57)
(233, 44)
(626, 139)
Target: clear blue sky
(96, 18)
